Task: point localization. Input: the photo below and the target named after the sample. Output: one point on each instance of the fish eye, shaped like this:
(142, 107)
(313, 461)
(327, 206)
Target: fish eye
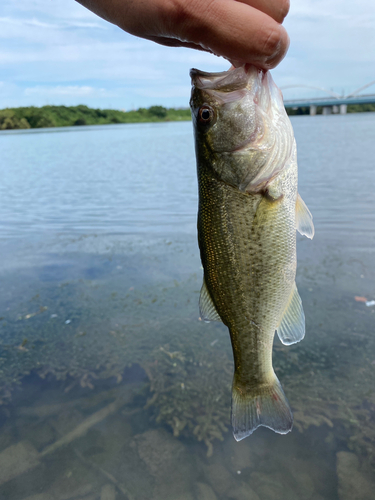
(206, 114)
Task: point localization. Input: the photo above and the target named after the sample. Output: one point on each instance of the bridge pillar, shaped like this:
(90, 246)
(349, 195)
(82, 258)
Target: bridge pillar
(312, 110)
(335, 109)
(327, 110)
(343, 109)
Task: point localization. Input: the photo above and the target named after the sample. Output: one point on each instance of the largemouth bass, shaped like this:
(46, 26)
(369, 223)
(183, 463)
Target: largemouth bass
(249, 210)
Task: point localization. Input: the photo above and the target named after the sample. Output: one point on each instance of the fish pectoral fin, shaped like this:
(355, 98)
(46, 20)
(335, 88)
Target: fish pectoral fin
(292, 326)
(304, 222)
(207, 308)
(273, 193)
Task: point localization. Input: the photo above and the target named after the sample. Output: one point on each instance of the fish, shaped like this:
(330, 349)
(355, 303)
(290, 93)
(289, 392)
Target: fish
(248, 212)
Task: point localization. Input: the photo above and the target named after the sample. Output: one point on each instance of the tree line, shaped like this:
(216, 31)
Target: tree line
(67, 116)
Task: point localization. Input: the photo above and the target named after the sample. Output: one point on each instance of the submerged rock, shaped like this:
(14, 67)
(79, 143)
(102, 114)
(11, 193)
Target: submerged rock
(168, 462)
(303, 484)
(108, 492)
(40, 496)
(241, 455)
(221, 480)
(355, 480)
(64, 489)
(39, 434)
(66, 421)
(70, 478)
(6, 435)
(267, 486)
(159, 450)
(183, 496)
(17, 459)
(274, 486)
(298, 477)
(204, 492)
(243, 492)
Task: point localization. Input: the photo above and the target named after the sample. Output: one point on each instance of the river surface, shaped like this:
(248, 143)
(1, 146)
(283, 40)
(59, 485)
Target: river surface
(111, 386)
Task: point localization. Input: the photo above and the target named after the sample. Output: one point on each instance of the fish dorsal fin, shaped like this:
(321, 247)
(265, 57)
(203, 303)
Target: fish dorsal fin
(304, 223)
(292, 325)
(207, 308)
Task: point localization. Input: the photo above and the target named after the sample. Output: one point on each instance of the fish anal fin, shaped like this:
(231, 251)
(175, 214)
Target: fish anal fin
(207, 308)
(266, 407)
(292, 326)
(304, 222)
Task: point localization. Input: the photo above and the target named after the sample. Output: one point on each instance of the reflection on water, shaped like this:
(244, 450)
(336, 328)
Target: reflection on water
(110, 385)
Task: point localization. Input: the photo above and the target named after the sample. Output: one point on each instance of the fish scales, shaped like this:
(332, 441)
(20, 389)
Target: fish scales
(247, 236)
(245, 269)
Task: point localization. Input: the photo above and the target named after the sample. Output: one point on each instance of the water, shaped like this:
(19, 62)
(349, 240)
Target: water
(110, 386)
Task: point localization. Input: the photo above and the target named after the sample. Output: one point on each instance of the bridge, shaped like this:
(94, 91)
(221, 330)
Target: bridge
(335, 103)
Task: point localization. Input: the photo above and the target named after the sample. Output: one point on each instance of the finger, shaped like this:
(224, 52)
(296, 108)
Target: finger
(174, 42)
(277, 9)
(239, 33)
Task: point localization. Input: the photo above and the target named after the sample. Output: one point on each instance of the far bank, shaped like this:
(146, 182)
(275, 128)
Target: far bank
(68, 116)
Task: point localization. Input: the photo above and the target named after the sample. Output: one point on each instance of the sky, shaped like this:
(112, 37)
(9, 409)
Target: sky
(57, 52)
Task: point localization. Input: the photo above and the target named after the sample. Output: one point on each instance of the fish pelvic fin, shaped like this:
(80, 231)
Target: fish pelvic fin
(264, 406)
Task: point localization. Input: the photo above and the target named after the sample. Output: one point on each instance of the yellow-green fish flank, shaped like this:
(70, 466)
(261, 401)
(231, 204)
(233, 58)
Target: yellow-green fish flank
(249, 209)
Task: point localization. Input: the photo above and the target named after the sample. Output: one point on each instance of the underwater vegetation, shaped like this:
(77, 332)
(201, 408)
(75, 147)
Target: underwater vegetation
(199, 391)
(82, 331)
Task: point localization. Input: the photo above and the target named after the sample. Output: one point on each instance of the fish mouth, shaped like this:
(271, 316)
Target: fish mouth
(224, 81)
(232, 85)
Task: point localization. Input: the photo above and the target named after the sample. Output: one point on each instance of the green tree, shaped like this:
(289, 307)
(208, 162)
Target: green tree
(158, 111)
(9, 120)
(80, 121)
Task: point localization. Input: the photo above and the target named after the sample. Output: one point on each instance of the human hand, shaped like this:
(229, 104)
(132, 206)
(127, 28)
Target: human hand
(244, 31)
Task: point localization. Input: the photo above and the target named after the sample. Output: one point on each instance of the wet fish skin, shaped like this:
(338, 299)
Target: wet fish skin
(249, 209)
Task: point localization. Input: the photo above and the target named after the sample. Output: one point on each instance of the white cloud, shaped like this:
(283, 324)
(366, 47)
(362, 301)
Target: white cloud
(332, 44)
(68, 90)
(14, 23)
(22, 22)
(68, 53)
(50, 9)
(333, 8)
(161, 92)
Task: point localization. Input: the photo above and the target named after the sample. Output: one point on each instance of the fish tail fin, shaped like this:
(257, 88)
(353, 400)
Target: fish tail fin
(266, 405)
